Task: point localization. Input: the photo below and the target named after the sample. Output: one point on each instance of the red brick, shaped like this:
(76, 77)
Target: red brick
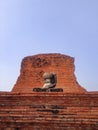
(33, 67)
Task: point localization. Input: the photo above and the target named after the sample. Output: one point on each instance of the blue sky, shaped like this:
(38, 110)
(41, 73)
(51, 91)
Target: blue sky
(29, 27)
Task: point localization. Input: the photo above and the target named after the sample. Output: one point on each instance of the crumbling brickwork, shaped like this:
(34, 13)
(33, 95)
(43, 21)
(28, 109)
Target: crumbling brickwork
(48, 111)
(33, 67)
(72, 109)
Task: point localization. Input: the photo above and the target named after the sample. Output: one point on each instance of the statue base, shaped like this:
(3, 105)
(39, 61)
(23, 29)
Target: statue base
(47, 90)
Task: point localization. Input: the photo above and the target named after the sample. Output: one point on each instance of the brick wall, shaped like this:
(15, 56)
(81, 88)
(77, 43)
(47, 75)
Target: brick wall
(33, 67)
(48, 111)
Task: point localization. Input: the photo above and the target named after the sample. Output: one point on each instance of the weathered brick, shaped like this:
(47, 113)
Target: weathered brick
(73, 109)
(33, 67)
(48, 111)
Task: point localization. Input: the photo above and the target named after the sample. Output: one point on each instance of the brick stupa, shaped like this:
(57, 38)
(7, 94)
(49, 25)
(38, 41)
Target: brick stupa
(33, 67)
(73, 109)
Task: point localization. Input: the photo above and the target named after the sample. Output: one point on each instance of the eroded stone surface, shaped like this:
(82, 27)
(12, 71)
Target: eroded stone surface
(50, 80)
(33, 68)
